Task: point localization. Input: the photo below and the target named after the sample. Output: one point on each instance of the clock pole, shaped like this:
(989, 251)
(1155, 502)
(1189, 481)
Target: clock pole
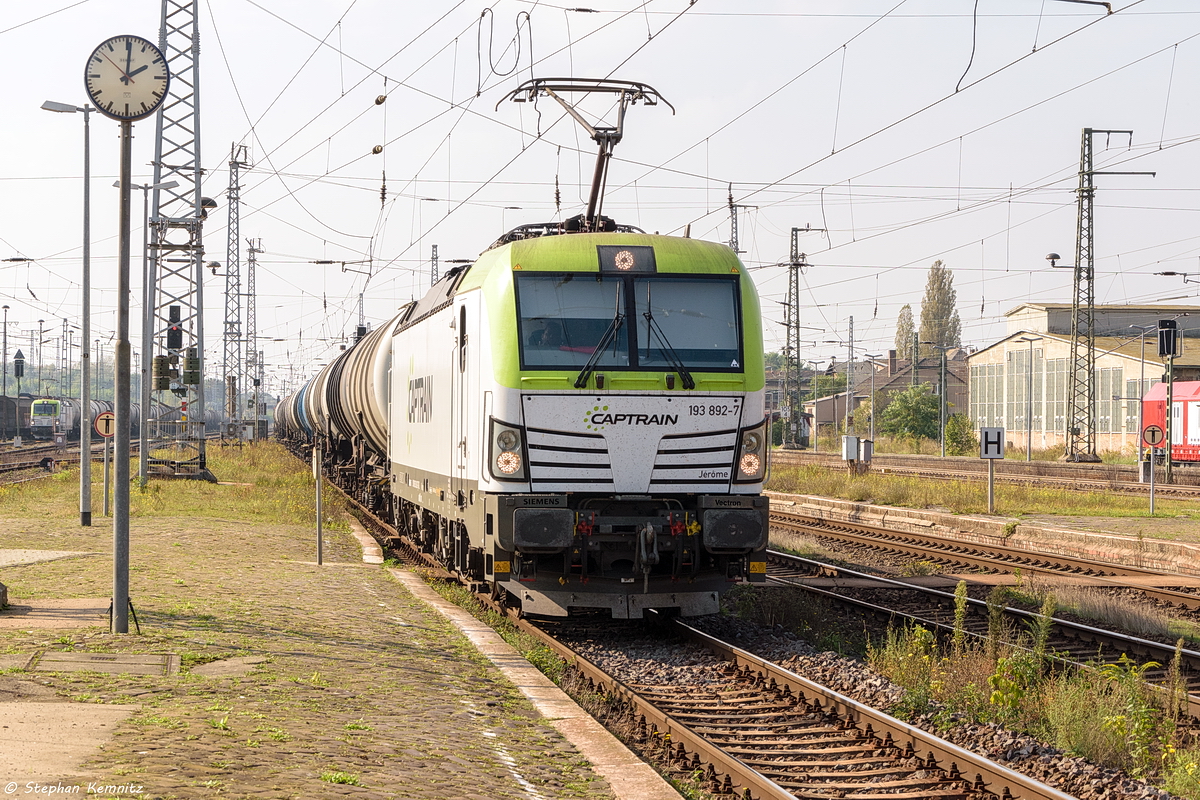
(120, 613)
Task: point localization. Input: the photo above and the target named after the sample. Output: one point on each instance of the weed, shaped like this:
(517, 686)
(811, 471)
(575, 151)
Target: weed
(1139, 721)
(996, 623)
(312, 680)
(221, 724)
(357, 725)
(922, 567)
(332, 776)
(960, 617)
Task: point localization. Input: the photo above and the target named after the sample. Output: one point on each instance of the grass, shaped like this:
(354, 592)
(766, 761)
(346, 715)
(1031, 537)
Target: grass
(967, 497)
(1094, 604)
(1107, 715)
(272, 486)
(892, 445)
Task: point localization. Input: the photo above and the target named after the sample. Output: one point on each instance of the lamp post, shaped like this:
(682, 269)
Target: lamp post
(1029, 398)
(941, 392)
(4, 433)
(41, 333)
(1137, 439)
(816, 424)
(149, 284)
(5, 380)
(85, 400)
(870, 357)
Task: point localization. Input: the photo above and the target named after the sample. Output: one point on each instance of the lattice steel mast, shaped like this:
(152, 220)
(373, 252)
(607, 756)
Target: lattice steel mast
(235, 382)
(254, 365)
(797, 263)
(1081, 388)
(177, 251)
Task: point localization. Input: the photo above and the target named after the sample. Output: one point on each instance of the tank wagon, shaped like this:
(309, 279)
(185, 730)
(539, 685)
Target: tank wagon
(50, 416)
(575, 419)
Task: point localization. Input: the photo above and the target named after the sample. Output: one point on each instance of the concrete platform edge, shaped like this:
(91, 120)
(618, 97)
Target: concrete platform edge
(629, 777)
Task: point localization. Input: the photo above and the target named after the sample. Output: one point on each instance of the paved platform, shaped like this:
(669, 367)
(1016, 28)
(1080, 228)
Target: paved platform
(294, 680)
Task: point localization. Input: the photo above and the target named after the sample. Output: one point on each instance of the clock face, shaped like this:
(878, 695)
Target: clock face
(126, 78)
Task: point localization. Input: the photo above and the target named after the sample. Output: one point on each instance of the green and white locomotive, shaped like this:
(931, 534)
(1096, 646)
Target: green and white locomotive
(576, 419)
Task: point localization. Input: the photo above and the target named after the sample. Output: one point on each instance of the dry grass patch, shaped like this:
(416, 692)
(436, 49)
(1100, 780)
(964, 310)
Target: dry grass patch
(964, 497)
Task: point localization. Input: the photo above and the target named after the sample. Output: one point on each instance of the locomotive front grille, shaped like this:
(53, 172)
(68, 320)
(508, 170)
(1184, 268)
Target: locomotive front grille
(561, 459)
(700, 459)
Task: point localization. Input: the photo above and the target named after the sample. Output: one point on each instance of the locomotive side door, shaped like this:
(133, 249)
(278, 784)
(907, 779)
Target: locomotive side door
(458, 410)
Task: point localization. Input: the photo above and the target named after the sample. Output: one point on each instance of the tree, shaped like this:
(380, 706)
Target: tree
(939, 316)
(912, 413)
(904, 333)
(960, 436)
(773, 360)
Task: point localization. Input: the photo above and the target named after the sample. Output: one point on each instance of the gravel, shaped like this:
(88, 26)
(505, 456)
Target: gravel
(636, 657)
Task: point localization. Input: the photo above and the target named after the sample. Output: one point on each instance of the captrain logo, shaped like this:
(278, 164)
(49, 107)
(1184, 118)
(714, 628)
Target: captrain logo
(599, 419)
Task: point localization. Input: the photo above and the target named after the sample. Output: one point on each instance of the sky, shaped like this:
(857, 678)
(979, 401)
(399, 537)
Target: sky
(898, 131)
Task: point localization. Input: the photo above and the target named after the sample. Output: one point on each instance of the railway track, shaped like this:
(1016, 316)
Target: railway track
(1072, 644)
(1083, 477)
(764, 732)
(959, 555)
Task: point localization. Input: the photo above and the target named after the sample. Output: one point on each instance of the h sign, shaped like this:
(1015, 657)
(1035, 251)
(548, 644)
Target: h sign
(991, 442)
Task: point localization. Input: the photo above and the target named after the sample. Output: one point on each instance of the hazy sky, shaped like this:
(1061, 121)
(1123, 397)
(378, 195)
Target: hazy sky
(910, 130)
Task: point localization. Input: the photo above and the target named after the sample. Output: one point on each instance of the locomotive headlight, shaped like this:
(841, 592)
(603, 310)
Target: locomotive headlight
(507, 453)
(752, 457)
(508, 462)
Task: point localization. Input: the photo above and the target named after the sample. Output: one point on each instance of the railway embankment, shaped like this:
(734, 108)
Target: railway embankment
(254, 671)
(1166, 544)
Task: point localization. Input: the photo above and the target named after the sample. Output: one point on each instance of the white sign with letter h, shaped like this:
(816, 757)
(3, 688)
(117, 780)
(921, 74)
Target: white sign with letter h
(991, 442)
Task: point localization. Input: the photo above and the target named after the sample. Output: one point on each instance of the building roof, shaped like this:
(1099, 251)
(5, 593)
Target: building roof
(1124, 346)
(1115, 307)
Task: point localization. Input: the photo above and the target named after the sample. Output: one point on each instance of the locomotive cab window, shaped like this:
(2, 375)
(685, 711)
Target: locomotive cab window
(693, 319)
(564, 319)
(635, 321)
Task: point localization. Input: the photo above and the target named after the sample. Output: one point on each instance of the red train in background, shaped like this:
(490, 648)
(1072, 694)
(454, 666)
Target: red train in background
(1185, 417)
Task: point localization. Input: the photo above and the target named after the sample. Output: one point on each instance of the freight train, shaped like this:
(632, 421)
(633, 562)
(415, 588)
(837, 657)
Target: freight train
(575, 419)
(49, 416)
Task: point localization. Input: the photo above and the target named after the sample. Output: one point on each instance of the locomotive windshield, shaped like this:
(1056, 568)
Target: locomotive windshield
(659, 321)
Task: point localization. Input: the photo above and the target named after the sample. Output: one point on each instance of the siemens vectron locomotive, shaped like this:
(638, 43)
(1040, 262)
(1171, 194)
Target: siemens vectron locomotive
(576, 419)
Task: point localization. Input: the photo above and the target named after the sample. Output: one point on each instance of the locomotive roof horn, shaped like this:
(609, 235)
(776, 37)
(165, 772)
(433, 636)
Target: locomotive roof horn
(627, 92)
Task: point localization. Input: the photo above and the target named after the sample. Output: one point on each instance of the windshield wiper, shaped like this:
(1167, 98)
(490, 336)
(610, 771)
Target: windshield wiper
(672, 357)
(610, 335)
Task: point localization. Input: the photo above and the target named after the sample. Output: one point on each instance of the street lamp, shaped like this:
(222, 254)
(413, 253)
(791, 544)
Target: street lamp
(1029, 398)
(1142, 331)
(41, 334)
(849, 375)
(149, 284)
(85, 400)
(871, 360)
(4, 433)
(941, 391)
(5, 380)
